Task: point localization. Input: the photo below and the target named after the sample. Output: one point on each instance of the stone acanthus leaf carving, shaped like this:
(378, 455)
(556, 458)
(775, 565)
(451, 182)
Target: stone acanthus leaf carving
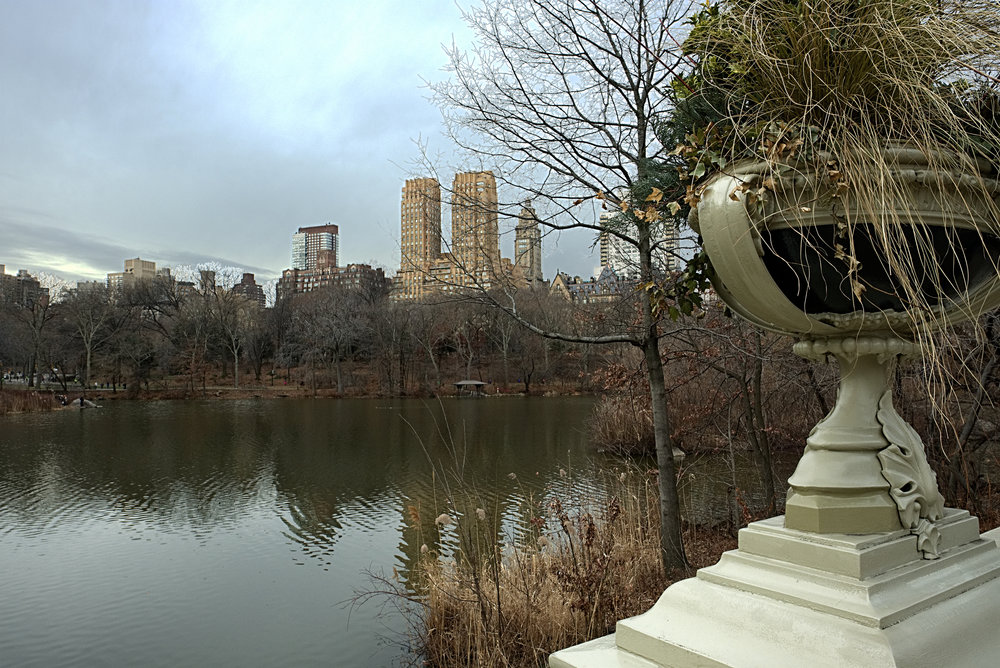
(912, 483)
(928, 538)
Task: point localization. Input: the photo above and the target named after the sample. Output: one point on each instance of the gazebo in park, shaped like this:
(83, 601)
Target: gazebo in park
(470, 388)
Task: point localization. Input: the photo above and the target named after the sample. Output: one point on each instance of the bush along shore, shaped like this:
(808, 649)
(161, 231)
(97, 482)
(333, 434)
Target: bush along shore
(25, 401)
(488, 594)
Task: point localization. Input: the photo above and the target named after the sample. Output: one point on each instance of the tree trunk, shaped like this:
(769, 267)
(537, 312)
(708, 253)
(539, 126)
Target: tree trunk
(86, 373)
(671, 537)
(824, 407)
(337, 370)
(763, 440)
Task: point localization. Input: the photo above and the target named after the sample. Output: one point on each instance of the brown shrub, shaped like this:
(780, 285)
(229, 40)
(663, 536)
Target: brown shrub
(25, 401)
(582, 571)
(622, 424)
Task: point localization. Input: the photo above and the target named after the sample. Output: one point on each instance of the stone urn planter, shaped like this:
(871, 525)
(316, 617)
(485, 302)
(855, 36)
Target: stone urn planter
(791, 262)
(867, 567)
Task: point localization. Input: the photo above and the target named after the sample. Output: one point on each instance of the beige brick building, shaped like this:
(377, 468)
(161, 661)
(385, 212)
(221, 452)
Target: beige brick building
(528, 246)
(135, 269)
(474, 258)
(420, 235)
(475, 237)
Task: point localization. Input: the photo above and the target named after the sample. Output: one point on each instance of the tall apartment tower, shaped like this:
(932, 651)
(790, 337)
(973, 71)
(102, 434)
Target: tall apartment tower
(420, 219)
(309, 241)
(135, 269)
(420, 235)
(528, 246)
(475, 237)
(623, 258)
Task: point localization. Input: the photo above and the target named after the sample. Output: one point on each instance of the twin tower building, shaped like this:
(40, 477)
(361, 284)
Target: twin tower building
(472, 258)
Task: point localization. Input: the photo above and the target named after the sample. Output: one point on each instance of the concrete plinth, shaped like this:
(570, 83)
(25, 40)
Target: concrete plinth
(794, 598)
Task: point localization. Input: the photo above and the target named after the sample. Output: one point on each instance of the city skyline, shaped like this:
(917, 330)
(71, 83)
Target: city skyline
(189, 133)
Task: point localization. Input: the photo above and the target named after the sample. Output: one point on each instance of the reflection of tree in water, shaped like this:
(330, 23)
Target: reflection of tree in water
(478, 517)
(172, 466)
(329, 473)
(327, 467)
(313, 524)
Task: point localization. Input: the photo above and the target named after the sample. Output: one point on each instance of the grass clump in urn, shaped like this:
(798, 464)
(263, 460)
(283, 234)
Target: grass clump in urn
(865, 139)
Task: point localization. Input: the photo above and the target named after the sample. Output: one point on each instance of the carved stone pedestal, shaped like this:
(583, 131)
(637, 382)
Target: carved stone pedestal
(794, 598)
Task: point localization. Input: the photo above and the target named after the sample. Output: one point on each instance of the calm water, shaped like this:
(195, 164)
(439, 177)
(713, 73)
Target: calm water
(232, 533)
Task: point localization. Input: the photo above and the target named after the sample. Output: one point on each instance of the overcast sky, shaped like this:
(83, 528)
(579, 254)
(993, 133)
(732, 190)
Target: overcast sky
(189, 131)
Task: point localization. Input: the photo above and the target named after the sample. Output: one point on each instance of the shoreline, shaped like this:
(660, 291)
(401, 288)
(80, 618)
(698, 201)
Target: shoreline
(31, 400)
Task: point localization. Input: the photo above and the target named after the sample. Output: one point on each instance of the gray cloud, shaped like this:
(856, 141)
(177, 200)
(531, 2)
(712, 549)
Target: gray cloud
(183, 132)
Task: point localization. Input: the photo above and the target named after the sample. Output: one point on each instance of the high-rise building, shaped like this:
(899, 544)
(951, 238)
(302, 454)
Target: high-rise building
(475, 238)
(135, 269)
(309, 241)
(420, 216)
(474, 257)
(420, 235)
(622, 257)
(528, 246)
(206, 282)
(23, 289)
(248, 288)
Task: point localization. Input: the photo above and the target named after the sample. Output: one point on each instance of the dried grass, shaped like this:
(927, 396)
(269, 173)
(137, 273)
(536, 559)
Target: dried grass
(819, 90)
(24, 401)
(622, 424)
(571, 581)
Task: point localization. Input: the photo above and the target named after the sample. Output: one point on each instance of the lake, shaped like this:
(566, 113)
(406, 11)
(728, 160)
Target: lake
(190, 533)
(234, 532)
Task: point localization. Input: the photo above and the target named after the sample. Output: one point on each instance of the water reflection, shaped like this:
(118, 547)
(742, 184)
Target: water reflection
(168, 522)
(230, 532)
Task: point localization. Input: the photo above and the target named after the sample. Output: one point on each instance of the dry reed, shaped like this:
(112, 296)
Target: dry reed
(819, 90)
(622, 424)
(569, 581)
(24, 401)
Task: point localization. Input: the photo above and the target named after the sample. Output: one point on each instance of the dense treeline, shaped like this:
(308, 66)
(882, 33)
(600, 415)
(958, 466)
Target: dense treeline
(735, 389)
(145, 339)
(731, 387)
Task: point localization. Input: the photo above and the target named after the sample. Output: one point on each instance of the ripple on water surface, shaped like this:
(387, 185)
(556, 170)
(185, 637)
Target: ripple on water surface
(230, 533)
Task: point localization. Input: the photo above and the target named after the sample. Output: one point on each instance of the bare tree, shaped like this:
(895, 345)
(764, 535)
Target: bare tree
(561, 97)
(502, 329)
(431, 332)
(232, 313)
(34, 316)
(189, 335)
(92, 315)
(389, 332)
(327, 324)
